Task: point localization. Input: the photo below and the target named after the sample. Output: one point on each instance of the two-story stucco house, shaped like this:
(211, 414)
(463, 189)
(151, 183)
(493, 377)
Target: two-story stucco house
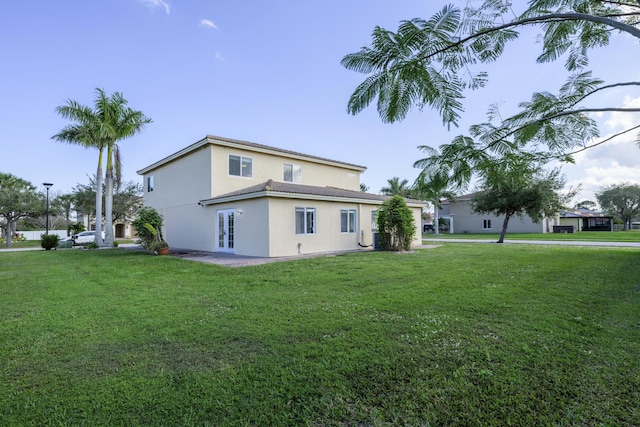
(226, 195)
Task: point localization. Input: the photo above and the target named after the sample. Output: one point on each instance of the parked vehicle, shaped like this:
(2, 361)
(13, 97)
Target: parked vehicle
(85, 237)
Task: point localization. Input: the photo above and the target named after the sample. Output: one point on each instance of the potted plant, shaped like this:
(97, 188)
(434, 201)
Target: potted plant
(160, 247)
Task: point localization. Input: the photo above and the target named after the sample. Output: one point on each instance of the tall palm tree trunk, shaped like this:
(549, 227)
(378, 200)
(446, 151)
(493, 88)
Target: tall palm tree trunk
(108, 200)
(436, 218)
(98, 238)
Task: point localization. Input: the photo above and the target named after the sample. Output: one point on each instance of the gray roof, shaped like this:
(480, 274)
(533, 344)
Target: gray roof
(272, 187)
(218, 140)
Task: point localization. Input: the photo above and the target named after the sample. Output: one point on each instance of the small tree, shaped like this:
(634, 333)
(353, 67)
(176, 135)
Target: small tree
(396, 225)
(518, 187)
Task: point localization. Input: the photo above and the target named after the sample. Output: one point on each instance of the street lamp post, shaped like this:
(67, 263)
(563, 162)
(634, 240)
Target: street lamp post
(48, 185)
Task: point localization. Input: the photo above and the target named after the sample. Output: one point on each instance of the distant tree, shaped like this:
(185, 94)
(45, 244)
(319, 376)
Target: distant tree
(84, 201)
(517, 188)
(63, 206)
(18, 199)
(396, 187)
(126, 201)
(586, 204)
(364, 187)
(621, 200)
(395, 224)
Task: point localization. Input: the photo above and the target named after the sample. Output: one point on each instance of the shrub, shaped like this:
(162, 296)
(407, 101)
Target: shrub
(92, 245)
(48, 241)
(148, 224)
(395, 225)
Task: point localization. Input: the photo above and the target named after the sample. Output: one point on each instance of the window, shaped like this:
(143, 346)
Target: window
(291, 173)
(347, 220)
(149, 183)
(240, 166)
(486, 224)
(305, 220)
(374, 221)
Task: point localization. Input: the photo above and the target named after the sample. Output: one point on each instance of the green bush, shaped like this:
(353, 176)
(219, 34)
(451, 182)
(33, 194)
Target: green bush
(48, 241)
(148, 225)
(92, 245)
(395, 225)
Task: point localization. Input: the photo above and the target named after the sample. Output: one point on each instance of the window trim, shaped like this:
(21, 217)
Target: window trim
(306, 211)
(352, 221)
(242, 159)
(293, 173)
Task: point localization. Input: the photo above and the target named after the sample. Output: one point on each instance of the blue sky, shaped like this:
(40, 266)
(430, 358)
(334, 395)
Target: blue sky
(263, 71)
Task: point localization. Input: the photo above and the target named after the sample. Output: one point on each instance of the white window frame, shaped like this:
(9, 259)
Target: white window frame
(307, 213)
(351, 222)
(150, 184)
(296, 173)
(242, 160)
(486, 224)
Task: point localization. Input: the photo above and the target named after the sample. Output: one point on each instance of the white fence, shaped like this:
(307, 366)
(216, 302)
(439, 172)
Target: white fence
(35, 235)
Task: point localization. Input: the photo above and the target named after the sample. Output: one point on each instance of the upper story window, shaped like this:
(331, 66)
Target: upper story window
(240, 166)
(149, 183)
(292, 173)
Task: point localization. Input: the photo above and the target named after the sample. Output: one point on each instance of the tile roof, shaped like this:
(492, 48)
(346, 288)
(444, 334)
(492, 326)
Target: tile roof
(276, 187)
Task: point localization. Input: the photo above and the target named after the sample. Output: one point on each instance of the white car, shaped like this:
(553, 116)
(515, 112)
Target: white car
(85, 237)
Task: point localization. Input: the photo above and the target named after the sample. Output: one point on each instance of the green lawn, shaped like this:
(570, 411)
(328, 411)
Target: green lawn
(594, 236)
(458, 335)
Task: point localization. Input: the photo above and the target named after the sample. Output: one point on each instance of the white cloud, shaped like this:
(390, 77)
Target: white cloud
(219, 56)
(208, 24)
(620, 120)
(152, 4)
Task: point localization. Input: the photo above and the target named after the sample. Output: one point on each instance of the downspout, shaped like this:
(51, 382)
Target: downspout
(361, 237)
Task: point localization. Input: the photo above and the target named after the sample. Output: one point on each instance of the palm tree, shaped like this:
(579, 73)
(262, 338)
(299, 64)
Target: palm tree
(117, 122)
(440, 178)
(102, 127)
(85, 132)
(396, 188)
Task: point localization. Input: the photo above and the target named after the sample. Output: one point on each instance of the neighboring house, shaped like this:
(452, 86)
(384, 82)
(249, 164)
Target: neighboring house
(462, 219)
(233, 196)
(586, 220)
(122, 229)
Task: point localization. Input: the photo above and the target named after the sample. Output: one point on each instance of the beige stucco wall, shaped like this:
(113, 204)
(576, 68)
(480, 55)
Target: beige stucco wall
(269, 166)
(328, 236)
(182, 182)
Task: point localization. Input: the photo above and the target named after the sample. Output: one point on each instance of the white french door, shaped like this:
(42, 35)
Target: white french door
(225, 230)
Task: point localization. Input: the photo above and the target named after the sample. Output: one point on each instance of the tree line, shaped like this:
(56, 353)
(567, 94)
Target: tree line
(23, 206)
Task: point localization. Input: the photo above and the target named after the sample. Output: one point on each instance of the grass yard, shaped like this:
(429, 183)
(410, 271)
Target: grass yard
(459, 335)
(594, 236)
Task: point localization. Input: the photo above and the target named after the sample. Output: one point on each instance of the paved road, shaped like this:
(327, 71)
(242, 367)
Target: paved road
(543, 242)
